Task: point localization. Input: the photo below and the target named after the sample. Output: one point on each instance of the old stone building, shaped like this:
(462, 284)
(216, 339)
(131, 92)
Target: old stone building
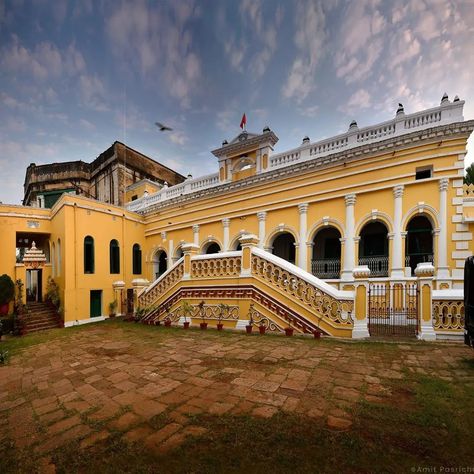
(105, 179)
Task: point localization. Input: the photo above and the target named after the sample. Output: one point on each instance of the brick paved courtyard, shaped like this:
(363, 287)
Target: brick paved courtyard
(149, 385)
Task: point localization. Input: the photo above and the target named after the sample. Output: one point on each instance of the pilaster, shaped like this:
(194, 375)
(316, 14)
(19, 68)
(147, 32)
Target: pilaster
(361, 276)
(302, 250)
(262, 217)
(349, 254)
(397, 268)
(443, 270)
(196, 234)
(226, 225)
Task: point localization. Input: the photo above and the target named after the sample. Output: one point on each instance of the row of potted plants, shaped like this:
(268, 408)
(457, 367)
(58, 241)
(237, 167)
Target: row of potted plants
(187, 310)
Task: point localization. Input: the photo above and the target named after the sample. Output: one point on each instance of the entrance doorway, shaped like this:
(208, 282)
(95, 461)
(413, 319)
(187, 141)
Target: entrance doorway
(34, 283)
(96, 303)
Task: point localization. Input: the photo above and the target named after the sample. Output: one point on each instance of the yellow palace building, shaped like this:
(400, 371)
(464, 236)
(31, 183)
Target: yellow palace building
(360, 234)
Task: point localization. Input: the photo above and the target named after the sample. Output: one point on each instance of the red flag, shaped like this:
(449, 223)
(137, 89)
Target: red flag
(243, 122)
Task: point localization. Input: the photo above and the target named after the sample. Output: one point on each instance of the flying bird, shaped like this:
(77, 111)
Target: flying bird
(163, 128)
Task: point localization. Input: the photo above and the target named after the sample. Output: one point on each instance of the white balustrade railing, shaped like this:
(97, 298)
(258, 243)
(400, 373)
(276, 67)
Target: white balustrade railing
(447, 112)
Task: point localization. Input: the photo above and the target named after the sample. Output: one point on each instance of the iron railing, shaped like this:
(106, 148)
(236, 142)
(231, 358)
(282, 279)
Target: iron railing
(378, 265)
(326, 268)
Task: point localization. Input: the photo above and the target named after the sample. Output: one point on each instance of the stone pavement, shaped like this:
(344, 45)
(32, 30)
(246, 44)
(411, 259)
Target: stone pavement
(147, 382)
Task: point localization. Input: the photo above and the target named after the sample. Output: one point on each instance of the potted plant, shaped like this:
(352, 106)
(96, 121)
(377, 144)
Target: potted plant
(112, 308)
(262, 328)
(202, 312)
(7, 293)
(52, 294)
(222, 309)
(248, 328)
(167, 319)
(187, 311)
(289, 329)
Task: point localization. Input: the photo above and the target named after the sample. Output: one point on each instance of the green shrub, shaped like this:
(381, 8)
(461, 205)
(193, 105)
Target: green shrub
(3, 356)
(7, 289)
(7, 324)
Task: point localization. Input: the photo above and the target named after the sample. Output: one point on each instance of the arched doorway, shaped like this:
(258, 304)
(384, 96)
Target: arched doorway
(373, 248)
(419, 242)
(160, 263)
(178, 254)
(284, 247)
(326, 262)
(212, 247)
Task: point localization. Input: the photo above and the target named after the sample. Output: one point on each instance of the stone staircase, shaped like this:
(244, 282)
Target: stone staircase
(40, 317)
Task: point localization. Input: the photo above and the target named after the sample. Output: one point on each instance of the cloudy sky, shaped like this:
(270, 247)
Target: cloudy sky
(77, 75)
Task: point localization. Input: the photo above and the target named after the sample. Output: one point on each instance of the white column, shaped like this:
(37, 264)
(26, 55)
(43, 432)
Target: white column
(349, 255)
(226, 224)
(170, 260)
(443, 270)
(303, 210)
(397, 258)
(196, 234)
(262, 217)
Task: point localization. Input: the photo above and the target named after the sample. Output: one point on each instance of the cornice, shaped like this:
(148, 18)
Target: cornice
(232, 148)
(391, 144)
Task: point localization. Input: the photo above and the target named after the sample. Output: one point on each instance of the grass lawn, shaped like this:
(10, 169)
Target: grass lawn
(274, 404)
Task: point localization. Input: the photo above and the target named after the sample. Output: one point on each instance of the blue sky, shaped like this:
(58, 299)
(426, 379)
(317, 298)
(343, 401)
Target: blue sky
(77, 75)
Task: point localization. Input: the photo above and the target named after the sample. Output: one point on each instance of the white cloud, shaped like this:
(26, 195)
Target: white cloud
(159, 42)
(178, 138)
(309, 38)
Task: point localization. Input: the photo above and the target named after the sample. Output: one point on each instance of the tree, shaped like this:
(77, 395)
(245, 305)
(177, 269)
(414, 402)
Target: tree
(469, 178)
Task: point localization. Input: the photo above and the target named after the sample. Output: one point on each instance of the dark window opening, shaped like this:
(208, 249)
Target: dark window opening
(137, 259)
(134, 197)
(424, 173)
(114, 257)
(88, 254)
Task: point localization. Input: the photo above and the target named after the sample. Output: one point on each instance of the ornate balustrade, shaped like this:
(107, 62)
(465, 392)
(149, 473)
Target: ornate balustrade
(448, 311)
(326, 268)
(318, 297)
(468, 190)
(172, 276)
(447, 112)
(378, 265)
(221, 265)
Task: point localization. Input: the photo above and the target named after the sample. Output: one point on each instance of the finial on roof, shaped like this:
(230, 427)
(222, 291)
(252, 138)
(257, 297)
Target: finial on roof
(165, 184)
(305, 140)
(225, 142)
(353, 124)
(190, 176)
(456, 98)
(266, 129)
(444, 99)
(400, 109)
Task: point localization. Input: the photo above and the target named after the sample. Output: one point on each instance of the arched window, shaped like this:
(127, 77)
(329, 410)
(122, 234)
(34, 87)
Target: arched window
(419, 243)
(53, 259)
(88, 254)
(326, 261)
(114, 256)
(58, 267)
(284, 247)
(137, 259)
(160, 263)
(213, 247)
(373, 248)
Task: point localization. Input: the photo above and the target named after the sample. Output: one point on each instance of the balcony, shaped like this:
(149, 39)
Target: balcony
(378, 265)
(326, 268)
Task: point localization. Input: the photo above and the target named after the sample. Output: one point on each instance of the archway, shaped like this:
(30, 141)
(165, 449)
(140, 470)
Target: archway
(419, 242)
(284, 247)
(326, 262)
(373, 248)
(160, 263)
(212, 247)
(178, 254)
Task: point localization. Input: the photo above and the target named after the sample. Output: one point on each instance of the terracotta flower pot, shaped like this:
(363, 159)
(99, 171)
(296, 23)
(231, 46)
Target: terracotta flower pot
(317, 334)
(219, 326)
(289, 331)
(167, 323)
(261, 329)
(248, 329)
(186, 325)
(203, 326)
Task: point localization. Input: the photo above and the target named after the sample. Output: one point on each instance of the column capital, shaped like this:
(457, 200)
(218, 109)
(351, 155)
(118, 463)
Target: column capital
(226, 222)
(196, 228)
(398, 191)
(443, 184)
(303, 207)
(403, 234)
(390, 235)
(350, 199)
(262, 215)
